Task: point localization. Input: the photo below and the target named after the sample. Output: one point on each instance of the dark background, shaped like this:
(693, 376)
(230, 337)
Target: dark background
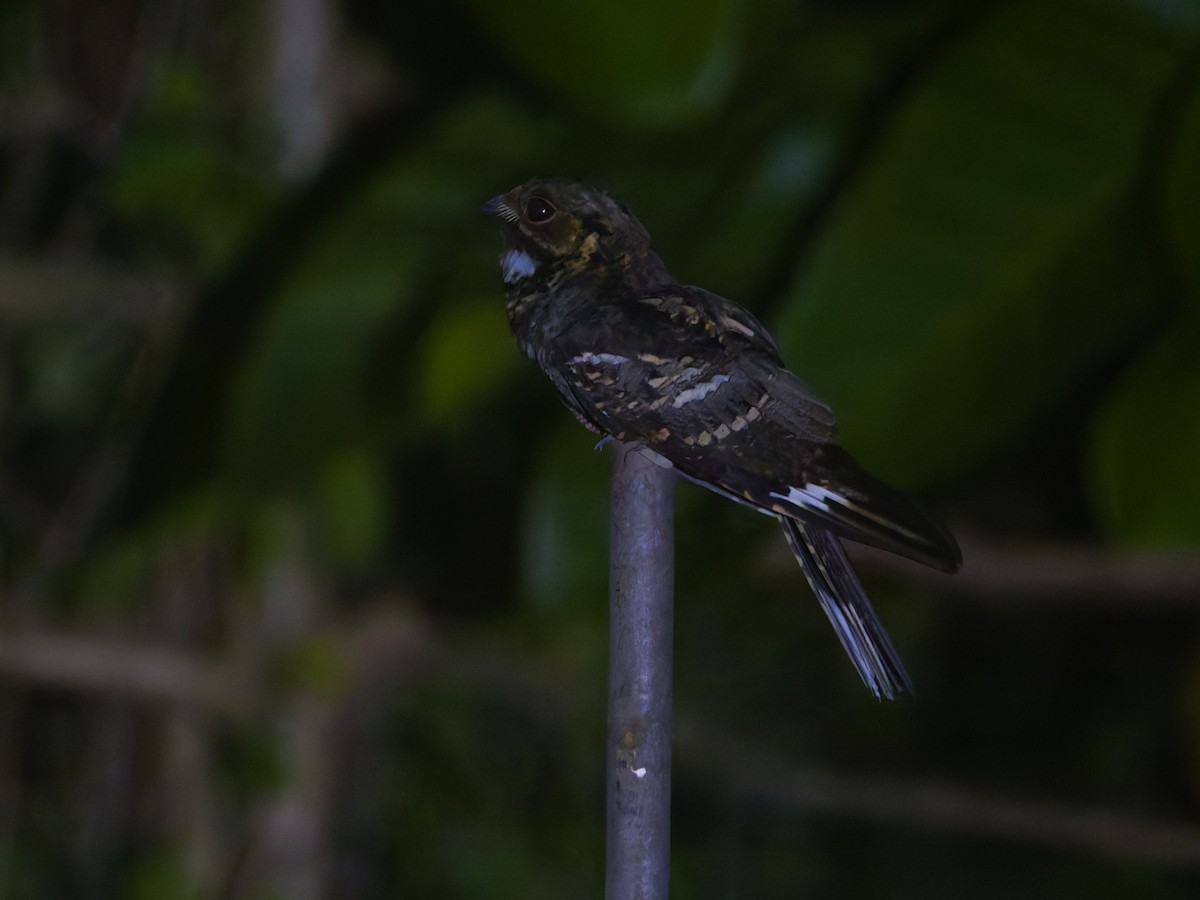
(303, 567)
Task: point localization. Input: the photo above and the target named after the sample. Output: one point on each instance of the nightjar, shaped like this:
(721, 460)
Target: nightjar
(698, 381)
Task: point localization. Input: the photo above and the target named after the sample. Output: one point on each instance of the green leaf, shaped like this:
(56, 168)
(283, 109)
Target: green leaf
(738, 248)
(564, 528)
(1181, 190)
(1145, 477)
(316, 666)
(73, 374)
(303, 395)
(942, 306)
(465, 354)
(352, 498)
(162, 873)
(648, 63)
(1146, 440)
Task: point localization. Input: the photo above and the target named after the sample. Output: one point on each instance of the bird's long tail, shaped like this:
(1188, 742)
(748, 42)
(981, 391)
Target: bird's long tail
(841, 595)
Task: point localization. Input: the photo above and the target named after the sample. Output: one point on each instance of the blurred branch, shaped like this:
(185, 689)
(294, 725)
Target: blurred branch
(397, 646)
(1149, 580)
(41, 291)
(751, 774)
(105, 666)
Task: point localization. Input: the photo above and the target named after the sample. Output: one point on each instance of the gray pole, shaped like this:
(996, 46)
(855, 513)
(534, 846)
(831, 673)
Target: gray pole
(638, 760)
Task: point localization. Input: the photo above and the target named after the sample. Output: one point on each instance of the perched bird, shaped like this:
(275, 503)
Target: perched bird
(697, 380)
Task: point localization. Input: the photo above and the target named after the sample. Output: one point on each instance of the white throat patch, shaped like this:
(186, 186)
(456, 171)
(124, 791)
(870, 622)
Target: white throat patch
(517, 264)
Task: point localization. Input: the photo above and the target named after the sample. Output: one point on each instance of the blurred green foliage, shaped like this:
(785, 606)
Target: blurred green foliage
(975, 230)
(644, 64)
(176, 174)
(935, 296)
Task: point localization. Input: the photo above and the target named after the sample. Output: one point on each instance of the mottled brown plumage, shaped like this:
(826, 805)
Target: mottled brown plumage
(697, 380)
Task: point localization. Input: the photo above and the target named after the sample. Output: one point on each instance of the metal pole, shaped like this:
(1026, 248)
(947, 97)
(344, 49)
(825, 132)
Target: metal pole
(638, 760)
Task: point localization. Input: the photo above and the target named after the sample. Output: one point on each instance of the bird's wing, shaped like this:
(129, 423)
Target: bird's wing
(699, 381)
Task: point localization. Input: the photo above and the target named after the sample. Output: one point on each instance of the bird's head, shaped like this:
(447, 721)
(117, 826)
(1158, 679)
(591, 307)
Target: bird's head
(559, 224)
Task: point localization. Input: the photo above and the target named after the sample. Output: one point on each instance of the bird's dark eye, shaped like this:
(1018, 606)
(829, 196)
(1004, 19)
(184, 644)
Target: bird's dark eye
(538, 210)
